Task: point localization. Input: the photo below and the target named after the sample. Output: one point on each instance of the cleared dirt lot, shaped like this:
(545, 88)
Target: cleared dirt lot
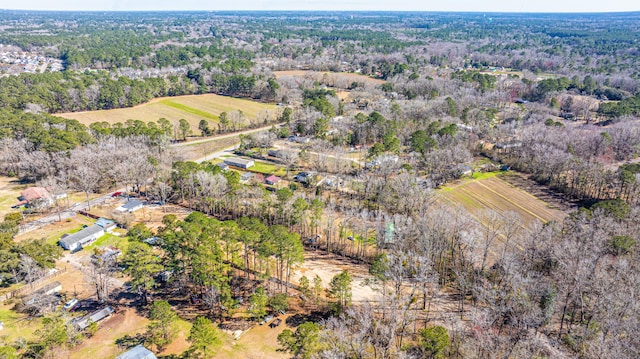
(327, 265)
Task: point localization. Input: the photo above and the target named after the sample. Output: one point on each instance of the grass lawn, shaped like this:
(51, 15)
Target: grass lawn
(268, 169)
(16, 325)
(109, 239)
(484, 175)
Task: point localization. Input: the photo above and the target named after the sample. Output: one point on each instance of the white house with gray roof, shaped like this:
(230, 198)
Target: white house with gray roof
(82, 238)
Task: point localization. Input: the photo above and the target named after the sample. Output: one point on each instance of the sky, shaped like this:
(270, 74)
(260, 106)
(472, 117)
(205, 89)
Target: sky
(398, 5)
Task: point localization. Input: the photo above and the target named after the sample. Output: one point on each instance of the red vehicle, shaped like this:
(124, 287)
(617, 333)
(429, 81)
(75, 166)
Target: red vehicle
(116, 194)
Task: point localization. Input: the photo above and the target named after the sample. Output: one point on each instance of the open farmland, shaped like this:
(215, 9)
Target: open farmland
(192, 108)
(495, 193)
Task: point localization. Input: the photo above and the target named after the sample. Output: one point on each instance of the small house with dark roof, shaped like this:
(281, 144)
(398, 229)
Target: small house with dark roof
(137, 352)
(82, 238)
(131, 206)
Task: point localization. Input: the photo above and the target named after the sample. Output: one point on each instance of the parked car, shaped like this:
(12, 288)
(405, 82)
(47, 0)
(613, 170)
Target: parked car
(275, 323)
(71, 305)
(267, 319)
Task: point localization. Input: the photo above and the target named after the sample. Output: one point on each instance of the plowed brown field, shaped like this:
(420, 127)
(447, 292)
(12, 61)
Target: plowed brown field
(495, 193)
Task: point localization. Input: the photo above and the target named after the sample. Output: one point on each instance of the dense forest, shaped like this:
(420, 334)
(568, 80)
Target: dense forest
(426, 98)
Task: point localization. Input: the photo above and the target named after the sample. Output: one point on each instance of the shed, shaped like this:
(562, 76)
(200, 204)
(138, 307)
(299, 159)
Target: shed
(246, 177)
(273, 153)
(131, 206)
(51, 288)
(239, 162)
(105, 223)
(223, 166)
(79, 239)
(137, 352)
(301, 139)
(466, 170)
(272, 180)
(94, 317)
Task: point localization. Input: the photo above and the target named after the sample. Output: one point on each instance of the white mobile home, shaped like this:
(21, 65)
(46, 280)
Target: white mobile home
(239, 162)
(80, 239)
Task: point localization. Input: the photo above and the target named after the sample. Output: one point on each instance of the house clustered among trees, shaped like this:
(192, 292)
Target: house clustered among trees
(554, 99)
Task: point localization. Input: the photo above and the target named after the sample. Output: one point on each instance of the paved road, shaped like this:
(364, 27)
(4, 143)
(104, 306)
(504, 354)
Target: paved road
(229, 135)
(68, 213)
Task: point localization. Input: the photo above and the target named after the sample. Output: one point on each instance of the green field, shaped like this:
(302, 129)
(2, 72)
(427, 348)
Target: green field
(17, 325)
(192, 108)
(268, 168)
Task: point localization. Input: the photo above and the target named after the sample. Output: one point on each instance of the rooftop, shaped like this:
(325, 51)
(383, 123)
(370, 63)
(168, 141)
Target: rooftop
(95, 317)
(82, 234)
(104, 223)
(137, 352)
(34, 193)
(132, 204)
(237, 160)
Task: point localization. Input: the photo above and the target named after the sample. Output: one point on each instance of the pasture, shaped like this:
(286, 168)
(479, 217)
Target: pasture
(192, 108)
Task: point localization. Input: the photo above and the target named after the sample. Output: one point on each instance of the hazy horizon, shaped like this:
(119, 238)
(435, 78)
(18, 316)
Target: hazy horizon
(542, 6)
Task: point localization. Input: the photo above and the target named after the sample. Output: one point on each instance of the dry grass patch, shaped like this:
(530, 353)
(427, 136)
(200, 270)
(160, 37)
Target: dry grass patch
(9, 193)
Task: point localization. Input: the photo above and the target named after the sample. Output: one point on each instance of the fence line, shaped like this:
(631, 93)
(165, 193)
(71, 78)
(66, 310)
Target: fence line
(33, 286)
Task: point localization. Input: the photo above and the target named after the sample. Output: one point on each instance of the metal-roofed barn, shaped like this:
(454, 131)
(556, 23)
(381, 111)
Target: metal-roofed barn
(94, 317)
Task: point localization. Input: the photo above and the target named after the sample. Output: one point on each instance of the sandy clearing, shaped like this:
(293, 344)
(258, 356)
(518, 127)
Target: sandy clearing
(328, 265)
